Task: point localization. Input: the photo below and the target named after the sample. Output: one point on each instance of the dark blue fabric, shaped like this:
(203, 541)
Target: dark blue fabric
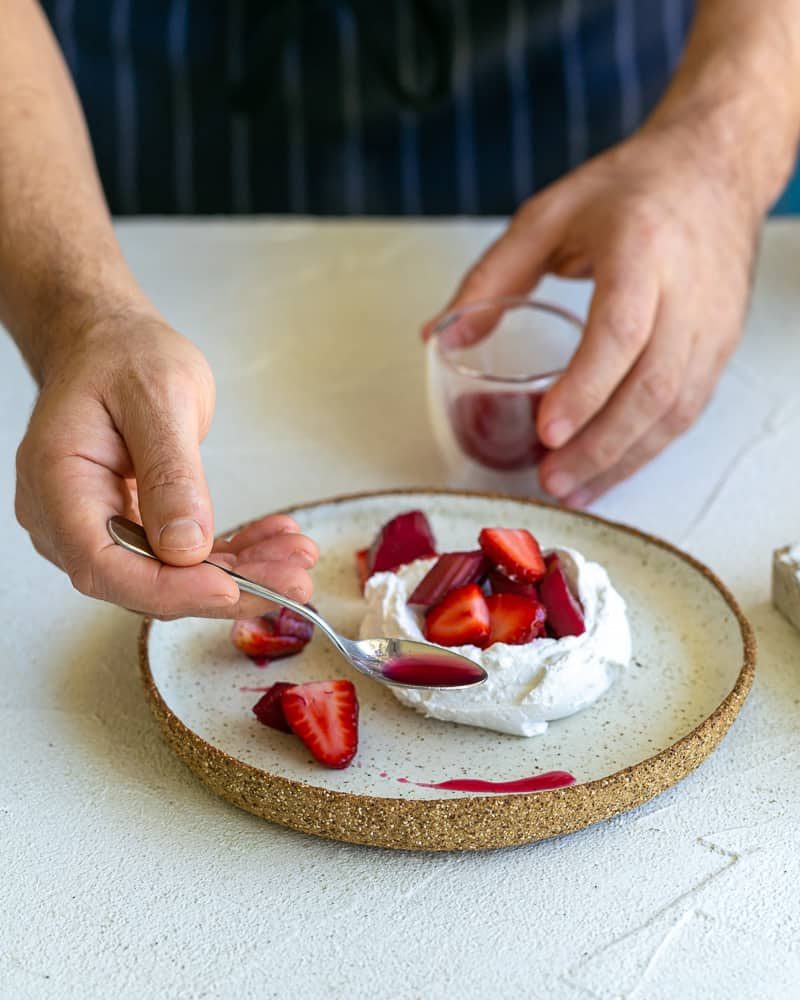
(383, 108)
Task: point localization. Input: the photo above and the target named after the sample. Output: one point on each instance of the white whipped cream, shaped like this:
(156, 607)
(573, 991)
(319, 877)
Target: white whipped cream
(530, 685)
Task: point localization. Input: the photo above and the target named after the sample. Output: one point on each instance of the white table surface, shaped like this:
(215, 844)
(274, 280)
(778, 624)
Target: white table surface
(123, 877)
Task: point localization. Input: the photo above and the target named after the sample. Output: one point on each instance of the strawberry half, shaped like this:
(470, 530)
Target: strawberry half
(515, 552)
(402, 540)
(362, 568)
(324, 714)
(564, 613)
(453, 569)
(501, 584)
(257, 638)
(515, 619)
(461, 619)
(269, 710)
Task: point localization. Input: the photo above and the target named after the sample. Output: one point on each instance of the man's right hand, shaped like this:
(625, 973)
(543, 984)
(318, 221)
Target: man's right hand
(117, 430)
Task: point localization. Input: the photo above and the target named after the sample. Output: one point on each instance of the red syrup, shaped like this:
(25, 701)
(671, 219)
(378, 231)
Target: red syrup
(260, 661)
(431, 670)
(535, 783)
(498, 429)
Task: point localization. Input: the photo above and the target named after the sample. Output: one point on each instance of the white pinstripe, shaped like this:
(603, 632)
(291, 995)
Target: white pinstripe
(293, 87)
(409, 146)
(462, 90)
(351, 111)
(177, 31)
(63, 15)
(625, 54)
(125, 95)
(241, 193)
(573, 72)
(521, 139)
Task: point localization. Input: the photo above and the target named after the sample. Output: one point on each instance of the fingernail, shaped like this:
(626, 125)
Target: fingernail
(181, 535)
(560, 484)
(578, 499)
(557, 432)
(303, 558)
(296, 594)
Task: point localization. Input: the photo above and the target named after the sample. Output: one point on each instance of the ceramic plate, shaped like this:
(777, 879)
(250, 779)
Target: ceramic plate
(693, 662)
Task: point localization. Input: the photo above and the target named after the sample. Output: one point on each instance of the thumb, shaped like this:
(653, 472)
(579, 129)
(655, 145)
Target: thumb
(173, 493)
(512, 265)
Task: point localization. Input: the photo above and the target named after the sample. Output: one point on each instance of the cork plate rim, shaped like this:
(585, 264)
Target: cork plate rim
(462, 823)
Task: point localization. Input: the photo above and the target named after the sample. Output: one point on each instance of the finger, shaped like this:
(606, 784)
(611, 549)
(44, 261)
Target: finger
(647, 393)
(619, 326)
(171, 485)
(264, 527)
(285, 578)
(513, 263)
(287, 547)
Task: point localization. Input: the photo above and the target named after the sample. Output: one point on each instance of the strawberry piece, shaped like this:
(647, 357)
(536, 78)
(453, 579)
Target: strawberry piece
(501, 584)
(564, 613)
(324, 714)
(451, 570)
(362, 568)
(257, 638)
(289, 623)
(515, 619)
(461, 619)
(515, 552)
(269, 710)
(402, 540)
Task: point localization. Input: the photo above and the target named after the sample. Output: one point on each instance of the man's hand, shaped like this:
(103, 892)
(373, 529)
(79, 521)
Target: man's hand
(117, 430)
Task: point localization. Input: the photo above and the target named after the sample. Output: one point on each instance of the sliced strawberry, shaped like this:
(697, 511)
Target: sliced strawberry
(453, 569)
(362, 568)
(564, 613)
(324, 714)
(461, 619)
(257, 638)
(515, 552)
(289, 623)
(514, 619)
(501, 584)
(269, 710)
(402, 540)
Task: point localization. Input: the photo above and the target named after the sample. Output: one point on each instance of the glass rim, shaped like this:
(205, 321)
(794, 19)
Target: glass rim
(541, 305)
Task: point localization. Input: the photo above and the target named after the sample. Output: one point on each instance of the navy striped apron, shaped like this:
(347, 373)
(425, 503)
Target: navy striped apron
(381, 107)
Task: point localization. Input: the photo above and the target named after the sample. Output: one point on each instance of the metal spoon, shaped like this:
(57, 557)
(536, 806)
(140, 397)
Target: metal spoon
(410, 661)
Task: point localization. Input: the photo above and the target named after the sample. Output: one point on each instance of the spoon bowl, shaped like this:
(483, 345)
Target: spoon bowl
(396, 662)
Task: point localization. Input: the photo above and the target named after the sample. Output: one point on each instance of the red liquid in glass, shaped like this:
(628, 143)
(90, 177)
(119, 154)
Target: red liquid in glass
(498, 429)
(535, 783)
(430, 670)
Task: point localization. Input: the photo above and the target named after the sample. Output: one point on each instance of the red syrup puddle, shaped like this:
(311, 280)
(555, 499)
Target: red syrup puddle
(430, 670)
(260, 661)
(535, 783)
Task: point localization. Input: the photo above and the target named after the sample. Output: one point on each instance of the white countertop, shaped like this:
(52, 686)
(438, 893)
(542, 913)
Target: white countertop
(123, 877)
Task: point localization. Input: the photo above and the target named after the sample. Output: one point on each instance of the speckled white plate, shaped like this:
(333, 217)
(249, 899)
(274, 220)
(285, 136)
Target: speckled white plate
(693, 666)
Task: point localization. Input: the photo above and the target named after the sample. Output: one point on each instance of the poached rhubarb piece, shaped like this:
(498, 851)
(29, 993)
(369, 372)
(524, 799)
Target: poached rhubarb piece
(515, 552)
(500, 584)
(564, 613)
(451, 570)
(258, 638)
(269, 710)
(402, 540)
(461, 619)
(515, 619)
(324, 715)
(289, 623)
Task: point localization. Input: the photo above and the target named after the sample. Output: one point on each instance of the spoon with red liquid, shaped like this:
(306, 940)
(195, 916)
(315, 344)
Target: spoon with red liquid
(398, 662)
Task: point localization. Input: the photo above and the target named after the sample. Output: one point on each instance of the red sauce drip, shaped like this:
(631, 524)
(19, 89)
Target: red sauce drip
(535, 783)
(430, 670)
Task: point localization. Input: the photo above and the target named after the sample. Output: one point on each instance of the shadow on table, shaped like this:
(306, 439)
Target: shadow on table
(778, 659)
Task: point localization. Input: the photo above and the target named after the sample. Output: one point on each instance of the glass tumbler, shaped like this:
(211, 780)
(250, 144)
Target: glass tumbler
(489, 364)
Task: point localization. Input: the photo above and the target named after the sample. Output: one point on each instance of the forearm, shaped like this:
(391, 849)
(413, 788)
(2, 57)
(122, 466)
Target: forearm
(737, 91)
(61, 268)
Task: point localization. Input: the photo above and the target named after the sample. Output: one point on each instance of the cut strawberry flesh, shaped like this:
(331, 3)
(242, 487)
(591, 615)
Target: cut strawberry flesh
(324, 714)
(564, 613)
(289, 623)
(461, 619)
(501, 584)
(515, 619)
(269, 710)
(362, 568)
(257, 638)
(515, 552)
(454, 569)
(402, 540)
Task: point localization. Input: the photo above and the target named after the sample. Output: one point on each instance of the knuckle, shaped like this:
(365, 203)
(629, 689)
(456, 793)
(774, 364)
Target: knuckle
(602, 450)
(166, 473)
(659, 389)
(83, 578)
(682, 415)
(626, 328)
